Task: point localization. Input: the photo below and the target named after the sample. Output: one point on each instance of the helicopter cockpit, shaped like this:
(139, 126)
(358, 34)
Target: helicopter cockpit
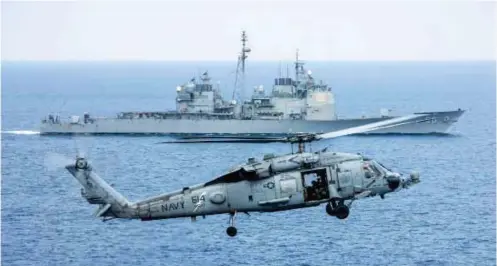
(373, 169)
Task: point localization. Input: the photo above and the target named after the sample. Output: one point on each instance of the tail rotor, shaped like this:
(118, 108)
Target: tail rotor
(83, 146)
(55, 161)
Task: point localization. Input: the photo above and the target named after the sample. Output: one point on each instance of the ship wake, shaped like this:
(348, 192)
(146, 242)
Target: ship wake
(21, 132)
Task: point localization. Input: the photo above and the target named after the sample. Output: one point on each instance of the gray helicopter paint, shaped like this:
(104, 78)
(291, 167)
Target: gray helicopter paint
(347, 173)
(288, 185)
(279, 192)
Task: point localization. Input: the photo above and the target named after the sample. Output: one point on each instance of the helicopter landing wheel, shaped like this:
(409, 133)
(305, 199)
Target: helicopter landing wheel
(331, 208)
(231, 231)
(342, 211)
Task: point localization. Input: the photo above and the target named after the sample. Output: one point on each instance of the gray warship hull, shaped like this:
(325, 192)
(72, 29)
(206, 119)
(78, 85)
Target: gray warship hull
(431, 123)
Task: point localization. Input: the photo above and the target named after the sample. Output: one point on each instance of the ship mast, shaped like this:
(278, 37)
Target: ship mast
(239, 89)
(299, 71)
(297, 67)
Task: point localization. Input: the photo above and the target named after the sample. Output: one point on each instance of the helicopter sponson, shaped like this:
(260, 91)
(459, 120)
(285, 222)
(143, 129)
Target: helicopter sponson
(274, 183)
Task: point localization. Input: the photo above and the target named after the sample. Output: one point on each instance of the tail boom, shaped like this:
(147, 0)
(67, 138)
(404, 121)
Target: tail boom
(96, 191)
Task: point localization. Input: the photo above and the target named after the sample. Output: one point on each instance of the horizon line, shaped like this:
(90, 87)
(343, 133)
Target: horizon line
(231, 61)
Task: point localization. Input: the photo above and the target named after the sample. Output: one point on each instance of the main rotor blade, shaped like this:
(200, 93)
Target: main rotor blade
(393, 122)
(226, 140)
(83, 145)
(55, 161)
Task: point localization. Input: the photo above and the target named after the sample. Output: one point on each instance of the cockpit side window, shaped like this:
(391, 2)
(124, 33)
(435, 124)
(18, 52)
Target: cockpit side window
(370, 170)
(376, 171)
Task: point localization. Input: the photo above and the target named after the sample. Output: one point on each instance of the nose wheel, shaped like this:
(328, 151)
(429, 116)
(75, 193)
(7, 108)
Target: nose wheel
(339, 210)
(231, 230)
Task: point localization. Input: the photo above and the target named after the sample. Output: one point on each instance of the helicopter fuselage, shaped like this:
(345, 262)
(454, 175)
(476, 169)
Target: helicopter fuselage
(279, 183)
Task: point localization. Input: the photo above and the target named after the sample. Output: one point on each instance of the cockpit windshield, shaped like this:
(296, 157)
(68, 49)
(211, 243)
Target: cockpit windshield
(373, 168)
(383, 166)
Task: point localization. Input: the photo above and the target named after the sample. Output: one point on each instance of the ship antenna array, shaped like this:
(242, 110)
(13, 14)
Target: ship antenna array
(239, 89)
(297, 65)
(299, 69)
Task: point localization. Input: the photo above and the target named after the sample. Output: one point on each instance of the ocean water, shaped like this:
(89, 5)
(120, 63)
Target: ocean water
(447, 219)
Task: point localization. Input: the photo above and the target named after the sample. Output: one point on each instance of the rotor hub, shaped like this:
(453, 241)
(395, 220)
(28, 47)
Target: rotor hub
(301, 138)
(81, 163)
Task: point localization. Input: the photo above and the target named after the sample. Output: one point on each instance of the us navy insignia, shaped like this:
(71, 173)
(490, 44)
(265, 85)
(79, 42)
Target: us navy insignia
(269, 185)
(171, 206)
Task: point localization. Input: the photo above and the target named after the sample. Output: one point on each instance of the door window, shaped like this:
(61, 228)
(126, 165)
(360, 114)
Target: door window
(315, 185)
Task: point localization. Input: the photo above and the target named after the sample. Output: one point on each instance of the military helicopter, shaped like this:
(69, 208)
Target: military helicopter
(276, 183)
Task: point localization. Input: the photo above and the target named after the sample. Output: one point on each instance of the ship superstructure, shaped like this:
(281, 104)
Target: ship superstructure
(299, 98)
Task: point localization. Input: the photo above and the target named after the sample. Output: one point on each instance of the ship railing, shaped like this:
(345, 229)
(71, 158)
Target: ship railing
(51, 119)
(272, 114)
(56, 119)
(175, 115)
(74, 119)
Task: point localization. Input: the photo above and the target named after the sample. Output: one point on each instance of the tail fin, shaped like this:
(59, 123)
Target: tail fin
(95, 189)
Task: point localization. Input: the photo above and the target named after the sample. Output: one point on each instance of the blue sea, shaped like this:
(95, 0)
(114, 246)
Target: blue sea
(447, 219)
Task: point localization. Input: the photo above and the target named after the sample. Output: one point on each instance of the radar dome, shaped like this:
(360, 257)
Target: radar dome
(178, 88)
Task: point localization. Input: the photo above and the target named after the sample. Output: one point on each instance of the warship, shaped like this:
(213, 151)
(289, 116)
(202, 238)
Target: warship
(294, 105)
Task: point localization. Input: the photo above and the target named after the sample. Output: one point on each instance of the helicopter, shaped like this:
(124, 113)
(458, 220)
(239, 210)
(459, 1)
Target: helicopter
(274, 183)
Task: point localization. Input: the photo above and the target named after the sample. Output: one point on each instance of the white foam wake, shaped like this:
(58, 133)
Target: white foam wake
(21, 132)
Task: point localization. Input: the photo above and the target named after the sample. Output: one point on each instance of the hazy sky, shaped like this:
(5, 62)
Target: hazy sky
(210, 30)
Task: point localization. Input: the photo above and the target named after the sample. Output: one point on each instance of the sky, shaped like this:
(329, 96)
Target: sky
(196, 30)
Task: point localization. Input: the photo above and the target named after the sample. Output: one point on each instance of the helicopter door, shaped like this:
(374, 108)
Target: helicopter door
(315, 184)
(348, 177)
(287, 185)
